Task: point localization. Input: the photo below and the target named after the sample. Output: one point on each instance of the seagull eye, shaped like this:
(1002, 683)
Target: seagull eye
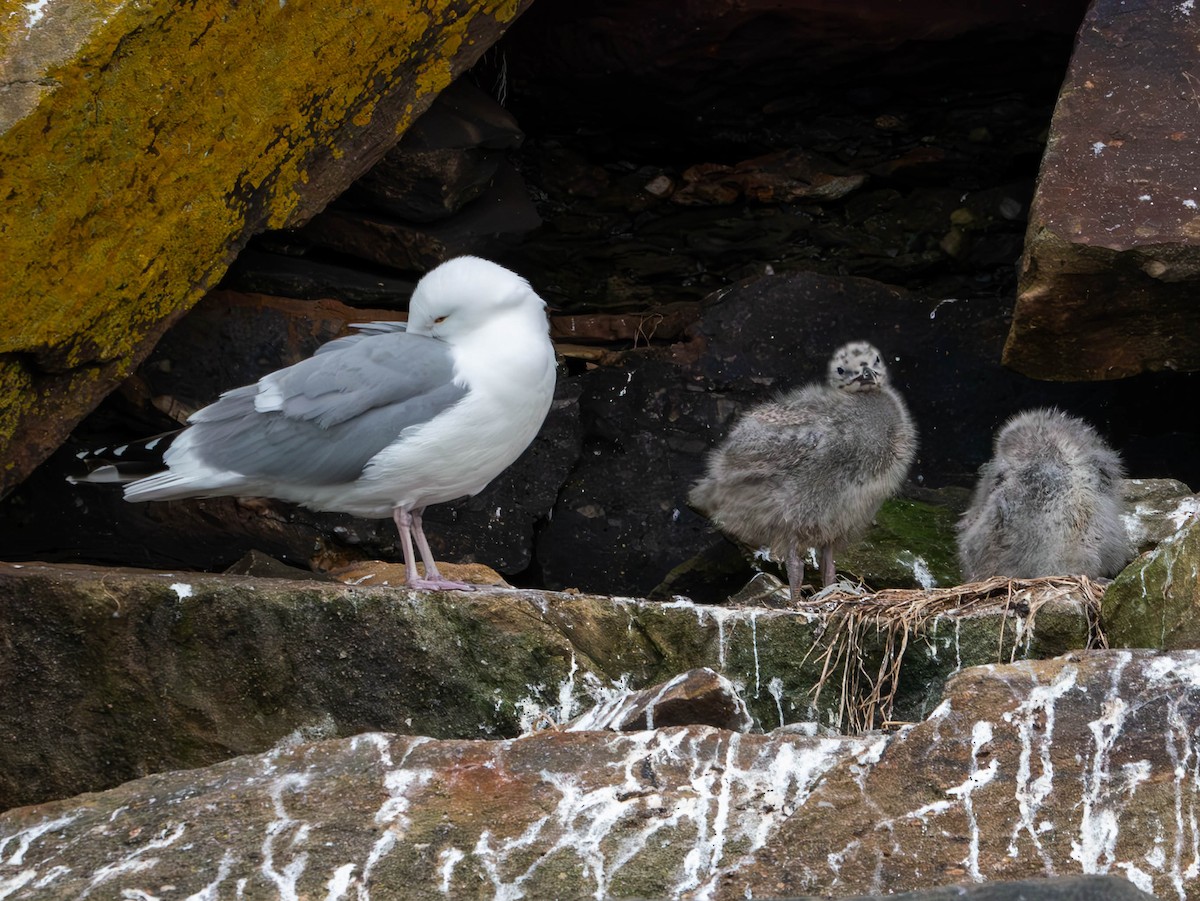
(439, 320)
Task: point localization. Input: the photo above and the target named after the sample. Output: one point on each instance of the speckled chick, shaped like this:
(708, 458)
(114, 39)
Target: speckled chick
(1048, 503)
(811, 468)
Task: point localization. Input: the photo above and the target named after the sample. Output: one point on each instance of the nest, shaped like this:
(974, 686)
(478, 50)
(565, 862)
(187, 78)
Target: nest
(903, 616)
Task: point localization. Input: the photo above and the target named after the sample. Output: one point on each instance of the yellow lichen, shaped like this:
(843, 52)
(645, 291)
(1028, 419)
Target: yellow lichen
(172, 131)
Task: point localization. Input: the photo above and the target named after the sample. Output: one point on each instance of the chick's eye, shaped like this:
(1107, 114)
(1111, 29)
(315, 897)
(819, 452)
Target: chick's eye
(841, 371)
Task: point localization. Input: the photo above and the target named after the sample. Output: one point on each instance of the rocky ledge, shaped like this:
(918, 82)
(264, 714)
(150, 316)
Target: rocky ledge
(1083, 764)
(116, 674)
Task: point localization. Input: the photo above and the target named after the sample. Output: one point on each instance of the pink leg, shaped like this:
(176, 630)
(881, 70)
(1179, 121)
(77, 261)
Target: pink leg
(408, 524)
(828, 570)
(795, 573)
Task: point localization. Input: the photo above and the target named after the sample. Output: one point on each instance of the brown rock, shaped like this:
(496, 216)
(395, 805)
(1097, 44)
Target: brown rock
(784, 177)
(146, 142)
(502, 210)
(376, 573)
(1029, 770)
(699, 697)
(667, 323)
(1073, 766)
(446, 159)
(1112, 259)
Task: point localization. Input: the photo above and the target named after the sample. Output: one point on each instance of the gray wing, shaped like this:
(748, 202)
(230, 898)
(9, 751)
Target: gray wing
(365, 330)
(325, 417)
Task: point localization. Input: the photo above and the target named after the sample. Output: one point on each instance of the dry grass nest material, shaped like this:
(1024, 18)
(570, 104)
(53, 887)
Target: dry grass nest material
(903, 615)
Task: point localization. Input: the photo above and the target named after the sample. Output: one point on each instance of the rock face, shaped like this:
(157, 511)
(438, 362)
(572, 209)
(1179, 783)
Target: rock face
(1076, 765)
(1112, 256)
(1035, 769)
(1155, 602)
(115, 674)
(135, 164)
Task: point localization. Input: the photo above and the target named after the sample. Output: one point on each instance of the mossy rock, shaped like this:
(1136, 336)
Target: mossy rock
(911, 545)
(1155, 601)
(162, 672)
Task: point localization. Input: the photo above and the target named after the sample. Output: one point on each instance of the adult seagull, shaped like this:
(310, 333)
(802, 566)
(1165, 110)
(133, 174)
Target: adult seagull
(387, 421)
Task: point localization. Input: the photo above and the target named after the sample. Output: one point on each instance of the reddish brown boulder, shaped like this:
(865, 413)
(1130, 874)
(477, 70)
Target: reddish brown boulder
(1112, 259)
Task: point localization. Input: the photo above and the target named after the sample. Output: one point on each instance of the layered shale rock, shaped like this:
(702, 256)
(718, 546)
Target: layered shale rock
(114, 674)
(1053, 768)
(1112, 257)
(135, 163)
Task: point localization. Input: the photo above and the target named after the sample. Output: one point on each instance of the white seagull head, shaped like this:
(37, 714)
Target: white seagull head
(465, 294)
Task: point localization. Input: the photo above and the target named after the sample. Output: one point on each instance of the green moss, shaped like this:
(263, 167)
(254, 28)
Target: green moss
(911, 542)
(1155, 601)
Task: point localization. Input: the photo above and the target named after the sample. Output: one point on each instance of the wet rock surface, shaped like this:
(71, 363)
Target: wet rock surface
(1051, 768)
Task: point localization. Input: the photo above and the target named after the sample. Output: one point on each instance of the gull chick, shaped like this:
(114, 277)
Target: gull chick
(1048, 503)
(811, 468)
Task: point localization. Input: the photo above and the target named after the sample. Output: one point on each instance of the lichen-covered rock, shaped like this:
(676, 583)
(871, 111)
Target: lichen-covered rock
(146, 142)
(1155, 601)
(1111, 265)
